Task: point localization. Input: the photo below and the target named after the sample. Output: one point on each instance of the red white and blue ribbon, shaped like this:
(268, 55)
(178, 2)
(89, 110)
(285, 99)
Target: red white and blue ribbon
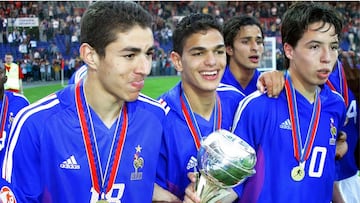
(344, 91)
(102, 186)
(191, 120)
(301, 152)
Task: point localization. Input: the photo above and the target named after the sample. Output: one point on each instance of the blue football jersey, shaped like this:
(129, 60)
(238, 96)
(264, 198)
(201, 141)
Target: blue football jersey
(179, 155)
(265, 124)
(346, 166)
(47, 158)
(15, 102)
(228, 78)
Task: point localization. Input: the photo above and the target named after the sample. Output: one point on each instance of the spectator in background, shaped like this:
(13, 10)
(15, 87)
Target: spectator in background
(36, 69)
(56, 68)
(74, 38)
(71, 64)
(42, 69)
(23, 69)
(23, 49)
(48, 70)
(14, 75)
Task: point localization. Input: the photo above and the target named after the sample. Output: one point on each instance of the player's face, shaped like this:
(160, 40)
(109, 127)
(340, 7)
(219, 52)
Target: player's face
(203, 60)
(127, 62)
(247, 48)
(314, 56)
(8, 59)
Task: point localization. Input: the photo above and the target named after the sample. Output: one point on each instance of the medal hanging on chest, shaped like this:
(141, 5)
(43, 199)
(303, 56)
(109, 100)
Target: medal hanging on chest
(102, 181)
(301, 152)
(298, 173)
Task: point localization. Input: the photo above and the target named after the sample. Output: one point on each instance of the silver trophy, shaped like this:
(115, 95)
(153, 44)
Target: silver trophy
(224, 161)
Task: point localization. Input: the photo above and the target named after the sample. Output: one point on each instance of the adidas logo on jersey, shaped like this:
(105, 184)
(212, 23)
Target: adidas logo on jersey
(70, 163)
(286, 125)
(192, 163)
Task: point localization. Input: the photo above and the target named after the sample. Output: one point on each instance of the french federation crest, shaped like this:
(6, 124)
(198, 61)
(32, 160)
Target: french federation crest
(6, 195)
(333, 132)
(137, 163)
(11, 118)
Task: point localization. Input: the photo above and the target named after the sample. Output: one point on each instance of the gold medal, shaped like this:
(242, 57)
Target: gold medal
(302, 151)
(297, 173)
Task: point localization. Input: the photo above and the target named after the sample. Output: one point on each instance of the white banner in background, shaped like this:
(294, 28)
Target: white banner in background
(23, 22)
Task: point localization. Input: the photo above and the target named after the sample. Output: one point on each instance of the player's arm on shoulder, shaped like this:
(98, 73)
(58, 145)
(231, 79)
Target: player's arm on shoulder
(272, 82)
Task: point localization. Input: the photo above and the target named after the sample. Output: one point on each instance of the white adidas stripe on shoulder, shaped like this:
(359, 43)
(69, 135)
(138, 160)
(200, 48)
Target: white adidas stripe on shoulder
(21, 95)
(46, 99)
(19, 120)
(242, 104)
(226, 87)
(80, 73)
(147, 99)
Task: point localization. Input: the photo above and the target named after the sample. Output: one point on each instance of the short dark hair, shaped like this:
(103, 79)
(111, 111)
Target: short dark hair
(233, 25)
(191, 24)
(300, 15)
(103, 20)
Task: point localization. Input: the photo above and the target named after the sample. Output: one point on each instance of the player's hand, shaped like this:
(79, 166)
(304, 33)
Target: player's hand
(272, 82)
(190, 193)
(161, 195)
(341, 145)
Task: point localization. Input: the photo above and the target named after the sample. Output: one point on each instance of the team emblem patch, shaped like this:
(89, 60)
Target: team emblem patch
(137, 163)
(11, 117)
(6, 195)
(333, 132)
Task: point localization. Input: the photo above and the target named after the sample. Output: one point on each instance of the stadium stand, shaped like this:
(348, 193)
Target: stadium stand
(56, 39)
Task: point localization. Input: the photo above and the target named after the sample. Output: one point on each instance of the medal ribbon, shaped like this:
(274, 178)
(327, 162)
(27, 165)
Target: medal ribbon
(344, 87)
(95, 166)
(301, 153)
(191, 120)
(4, 110)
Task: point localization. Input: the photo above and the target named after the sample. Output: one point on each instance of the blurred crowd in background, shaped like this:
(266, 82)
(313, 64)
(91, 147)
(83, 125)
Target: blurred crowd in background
(43, 51)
